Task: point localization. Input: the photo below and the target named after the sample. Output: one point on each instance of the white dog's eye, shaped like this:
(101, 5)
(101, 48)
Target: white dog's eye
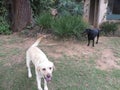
(44, 69)
(50, 68)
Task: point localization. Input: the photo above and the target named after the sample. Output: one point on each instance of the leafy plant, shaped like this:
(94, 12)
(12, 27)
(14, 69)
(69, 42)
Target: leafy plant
(4, 26)
(64, 7)
(72, 7)
(109, 27)
(44, 20)
(3, 9)
(39, 6)
(67, 26)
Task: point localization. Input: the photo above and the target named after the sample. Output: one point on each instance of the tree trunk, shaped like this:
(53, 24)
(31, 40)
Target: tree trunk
(21, 14)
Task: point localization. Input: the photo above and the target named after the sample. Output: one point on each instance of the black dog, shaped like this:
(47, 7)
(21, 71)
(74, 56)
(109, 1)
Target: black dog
(92, 33)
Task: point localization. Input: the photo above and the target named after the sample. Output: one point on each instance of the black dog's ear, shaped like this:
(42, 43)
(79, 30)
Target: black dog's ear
(84, 31)
(87, 30)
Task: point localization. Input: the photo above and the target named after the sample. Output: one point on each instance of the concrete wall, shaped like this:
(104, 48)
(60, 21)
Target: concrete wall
(102, 11)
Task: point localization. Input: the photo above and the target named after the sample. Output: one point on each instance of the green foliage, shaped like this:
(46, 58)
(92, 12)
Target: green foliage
(67, 26)
(44, 20)
(2, 8)
(109, 27)
(63, 26)
(66, 7)
(39, 6)
(4, 26)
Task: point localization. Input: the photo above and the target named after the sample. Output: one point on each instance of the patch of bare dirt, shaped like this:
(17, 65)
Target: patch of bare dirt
(107, 60)
(58, 48)
(69, 48)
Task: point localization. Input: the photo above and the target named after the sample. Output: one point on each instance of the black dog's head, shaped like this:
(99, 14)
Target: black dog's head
(86, 31)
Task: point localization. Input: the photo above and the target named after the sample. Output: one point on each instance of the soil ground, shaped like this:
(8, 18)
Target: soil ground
(57, 48)
(74, 60)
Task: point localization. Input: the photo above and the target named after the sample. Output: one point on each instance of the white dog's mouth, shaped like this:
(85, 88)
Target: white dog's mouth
(48, 78)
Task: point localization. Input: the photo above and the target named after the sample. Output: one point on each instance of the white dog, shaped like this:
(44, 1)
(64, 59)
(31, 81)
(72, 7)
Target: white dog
(43, 67)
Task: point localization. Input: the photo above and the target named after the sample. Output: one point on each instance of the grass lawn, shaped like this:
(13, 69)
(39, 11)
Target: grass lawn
(72, 72)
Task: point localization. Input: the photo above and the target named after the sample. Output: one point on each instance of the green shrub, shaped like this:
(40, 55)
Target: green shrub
(39, 6)
(4, 26)
(44, 20)
(64, 7)
(3, 9)
(67, 26)
(109, 27)
(70, 7)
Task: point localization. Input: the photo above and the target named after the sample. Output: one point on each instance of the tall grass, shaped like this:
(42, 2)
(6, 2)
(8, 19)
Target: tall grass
(44, 20)
(67, 26)
(63, 26)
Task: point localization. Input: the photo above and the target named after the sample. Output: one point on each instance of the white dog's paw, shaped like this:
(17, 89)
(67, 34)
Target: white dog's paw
(40, 89)
(45, 88)
(29, 75)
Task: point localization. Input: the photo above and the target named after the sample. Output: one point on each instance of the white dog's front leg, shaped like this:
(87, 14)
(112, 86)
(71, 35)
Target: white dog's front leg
(29, 73)
(38, 81)
(45, 85)
(28, 66)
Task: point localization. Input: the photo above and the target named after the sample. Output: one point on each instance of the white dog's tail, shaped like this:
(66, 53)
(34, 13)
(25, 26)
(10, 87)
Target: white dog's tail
(37, 41)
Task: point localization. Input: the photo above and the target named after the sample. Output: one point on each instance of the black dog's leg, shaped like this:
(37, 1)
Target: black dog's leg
(88, 42)
(93, 43)
(97, 38)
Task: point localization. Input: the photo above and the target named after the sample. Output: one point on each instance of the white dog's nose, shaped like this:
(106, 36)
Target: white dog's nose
(48, 76)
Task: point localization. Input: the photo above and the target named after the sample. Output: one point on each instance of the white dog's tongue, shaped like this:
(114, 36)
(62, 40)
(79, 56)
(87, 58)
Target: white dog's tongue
(48, 79)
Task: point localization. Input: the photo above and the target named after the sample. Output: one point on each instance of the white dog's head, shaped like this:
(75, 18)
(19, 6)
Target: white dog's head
(46, 69)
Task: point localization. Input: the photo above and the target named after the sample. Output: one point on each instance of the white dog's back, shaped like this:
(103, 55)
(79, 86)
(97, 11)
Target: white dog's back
(35, 54)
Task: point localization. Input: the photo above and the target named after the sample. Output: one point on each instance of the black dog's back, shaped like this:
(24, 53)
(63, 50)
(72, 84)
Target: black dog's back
(92, 33)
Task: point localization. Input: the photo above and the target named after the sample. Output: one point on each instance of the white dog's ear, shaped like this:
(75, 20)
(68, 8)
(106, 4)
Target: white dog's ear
(38, 69)
(54, 67)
